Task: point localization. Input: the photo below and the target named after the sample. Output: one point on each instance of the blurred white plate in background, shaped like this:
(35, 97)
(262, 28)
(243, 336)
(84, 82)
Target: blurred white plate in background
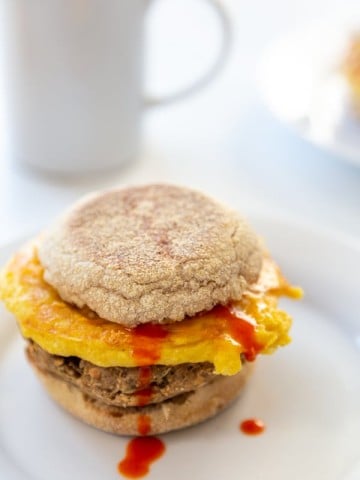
(300, 81)
(307, 394)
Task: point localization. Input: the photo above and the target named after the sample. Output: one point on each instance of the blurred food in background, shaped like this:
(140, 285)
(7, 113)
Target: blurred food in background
(310, 80)
(350, 68)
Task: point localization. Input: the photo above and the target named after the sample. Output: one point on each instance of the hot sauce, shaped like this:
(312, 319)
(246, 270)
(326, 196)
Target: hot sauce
(144, 424)
(242, 331)
(144, 377)
(144, 396)
(141, 452)
(252, 426)
(144, 393)
(146, 342)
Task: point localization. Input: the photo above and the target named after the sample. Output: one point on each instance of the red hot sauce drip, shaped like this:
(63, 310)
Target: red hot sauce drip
(141, 452)
(241, 330)
(144, 394)
(144, 424)
(252, 426)
(147, 341)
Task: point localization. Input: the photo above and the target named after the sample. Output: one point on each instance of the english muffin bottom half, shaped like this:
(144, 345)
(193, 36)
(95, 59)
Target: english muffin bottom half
(145, 307)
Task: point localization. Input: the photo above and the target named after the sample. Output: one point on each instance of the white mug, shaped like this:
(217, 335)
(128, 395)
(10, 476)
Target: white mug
(73, 81)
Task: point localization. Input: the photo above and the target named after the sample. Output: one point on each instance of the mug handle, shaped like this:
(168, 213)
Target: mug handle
(212, 71)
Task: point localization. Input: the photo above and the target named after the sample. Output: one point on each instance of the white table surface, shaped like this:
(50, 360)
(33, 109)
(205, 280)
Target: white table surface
(222, 140)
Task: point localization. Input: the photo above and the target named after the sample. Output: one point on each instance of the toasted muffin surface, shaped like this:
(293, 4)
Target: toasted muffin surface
(156, 253)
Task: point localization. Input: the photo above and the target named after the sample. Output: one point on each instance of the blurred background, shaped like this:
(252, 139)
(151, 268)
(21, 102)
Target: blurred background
(223, 139)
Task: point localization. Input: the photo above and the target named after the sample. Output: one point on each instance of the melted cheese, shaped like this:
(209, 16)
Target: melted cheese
(62, 329)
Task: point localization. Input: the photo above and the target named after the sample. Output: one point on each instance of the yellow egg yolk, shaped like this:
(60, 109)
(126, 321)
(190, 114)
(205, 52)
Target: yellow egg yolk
(253, 325)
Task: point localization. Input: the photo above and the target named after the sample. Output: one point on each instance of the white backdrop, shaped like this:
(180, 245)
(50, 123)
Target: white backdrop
(222, 140)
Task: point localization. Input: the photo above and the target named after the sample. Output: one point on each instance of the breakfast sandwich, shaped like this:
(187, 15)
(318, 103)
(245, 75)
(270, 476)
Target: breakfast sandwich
(144, 308)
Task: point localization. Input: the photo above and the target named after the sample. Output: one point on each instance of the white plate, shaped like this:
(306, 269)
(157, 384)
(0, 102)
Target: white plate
(308, 394)
(300, 82)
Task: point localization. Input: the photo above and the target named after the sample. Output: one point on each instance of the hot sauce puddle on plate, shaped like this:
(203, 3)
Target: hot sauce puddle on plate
(252, 426)
(141, 452)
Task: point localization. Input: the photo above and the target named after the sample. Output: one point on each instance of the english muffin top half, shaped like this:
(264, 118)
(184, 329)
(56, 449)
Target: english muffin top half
(155, 253)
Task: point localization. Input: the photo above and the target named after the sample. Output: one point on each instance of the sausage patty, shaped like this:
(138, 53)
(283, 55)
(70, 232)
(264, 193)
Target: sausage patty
(120, 386)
